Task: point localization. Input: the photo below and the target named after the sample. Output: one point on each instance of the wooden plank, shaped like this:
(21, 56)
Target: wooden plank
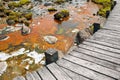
(113, 50)
(98, 55)
(104, 43)
(111, 28)
(108, 35)
(35, 75)
(110, 32)
(82, 70)
(45, 74)
(96, 60)
(105, 39)
(93, 66)
(29, 76)
(74, 76)
(58, 72)
(19, 78)
(100, 51)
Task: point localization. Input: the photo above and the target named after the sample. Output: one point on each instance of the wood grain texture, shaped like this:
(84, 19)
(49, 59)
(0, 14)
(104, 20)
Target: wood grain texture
(96, 60)
(45, 74)
(19, 78)
(94, 66)
(82, 70)
(58, 72)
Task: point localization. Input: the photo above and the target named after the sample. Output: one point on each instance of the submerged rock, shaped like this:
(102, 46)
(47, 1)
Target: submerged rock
(50, 39)
(3, 67)
(3, 37)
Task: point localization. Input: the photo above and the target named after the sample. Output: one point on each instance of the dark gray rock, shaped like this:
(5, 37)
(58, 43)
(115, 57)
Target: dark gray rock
(82, 35)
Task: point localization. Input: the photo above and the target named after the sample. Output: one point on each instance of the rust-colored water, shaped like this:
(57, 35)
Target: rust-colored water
(48, 26)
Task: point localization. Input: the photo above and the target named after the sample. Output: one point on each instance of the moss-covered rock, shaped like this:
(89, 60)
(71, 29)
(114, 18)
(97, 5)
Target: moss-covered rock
(59, 1)
(61, 15)
(107, 5)
(52, 9)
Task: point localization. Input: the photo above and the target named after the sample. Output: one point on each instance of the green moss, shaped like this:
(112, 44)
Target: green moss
(12, 18)
(19, 4)
(22, 2)
(107, 4)
(52, 9)
(28, 16)
(59, 1)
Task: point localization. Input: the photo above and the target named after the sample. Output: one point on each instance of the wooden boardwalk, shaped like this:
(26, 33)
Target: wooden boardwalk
(97, 58)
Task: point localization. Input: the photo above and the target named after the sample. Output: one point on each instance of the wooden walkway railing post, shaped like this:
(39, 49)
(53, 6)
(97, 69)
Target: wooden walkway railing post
(51, 55)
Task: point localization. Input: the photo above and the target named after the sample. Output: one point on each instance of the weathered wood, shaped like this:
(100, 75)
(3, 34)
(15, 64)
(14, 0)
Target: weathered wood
(96, 60)
(74, 76)
(100, 51)
(105, 31)
(29, 76)
(98, 55)
(93, 66)
(105, 39)
(35, 75)
(111, 28)
(82, 70)
(104, 43)
(114, 51)
(45, 74)
(58, 72)
(108, 35)
(19, 78)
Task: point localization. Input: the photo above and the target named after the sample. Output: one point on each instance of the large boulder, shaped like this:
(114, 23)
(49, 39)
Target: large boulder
(50, 39)
(25, 30)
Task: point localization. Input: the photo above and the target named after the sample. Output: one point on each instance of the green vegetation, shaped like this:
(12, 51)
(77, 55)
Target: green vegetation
(59, 1)
(52, 9)
(28, 16)
(13, 4)
(14, 14)
(107, 5)
(23, 2)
